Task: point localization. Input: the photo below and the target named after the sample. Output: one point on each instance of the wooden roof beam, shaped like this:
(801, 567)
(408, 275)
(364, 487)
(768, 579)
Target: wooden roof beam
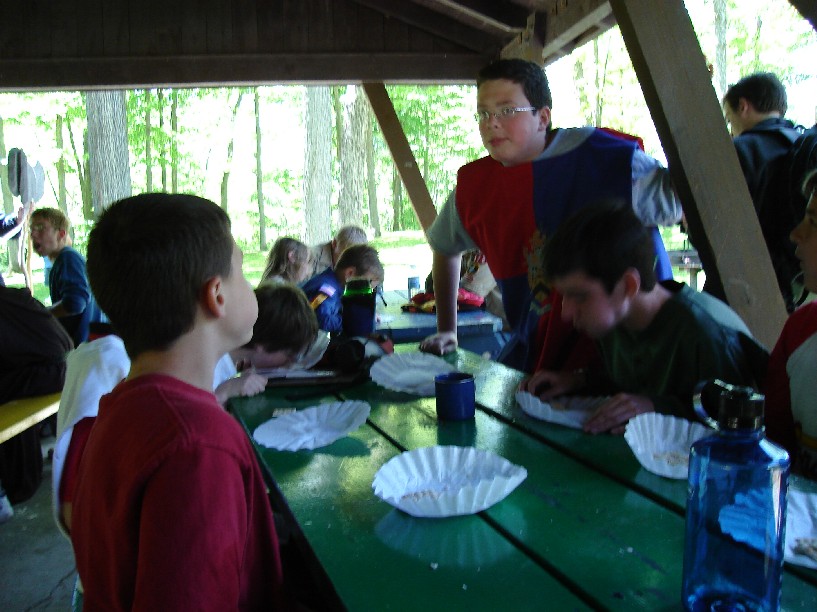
(808, 9)
(401, 153)
(571, 23)
(239, 70)
(495, 17)
(702, 160)
(529, 43)
(436, 24)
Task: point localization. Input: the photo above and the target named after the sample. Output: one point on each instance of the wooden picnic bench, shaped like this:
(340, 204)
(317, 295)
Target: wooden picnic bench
(18, 415)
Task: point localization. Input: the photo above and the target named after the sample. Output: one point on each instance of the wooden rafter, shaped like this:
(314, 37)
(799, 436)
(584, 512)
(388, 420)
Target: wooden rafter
(437, 24)
(702, 161)
(572, 23)
(495, 17)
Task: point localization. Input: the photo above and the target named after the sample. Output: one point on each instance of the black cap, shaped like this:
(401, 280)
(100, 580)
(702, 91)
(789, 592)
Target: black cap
(738, 407)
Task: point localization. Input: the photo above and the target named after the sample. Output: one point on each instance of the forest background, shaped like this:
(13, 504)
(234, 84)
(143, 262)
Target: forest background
(302, 161)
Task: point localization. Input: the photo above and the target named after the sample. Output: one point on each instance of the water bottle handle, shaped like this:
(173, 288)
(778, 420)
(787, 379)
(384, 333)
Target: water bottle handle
(697, 405)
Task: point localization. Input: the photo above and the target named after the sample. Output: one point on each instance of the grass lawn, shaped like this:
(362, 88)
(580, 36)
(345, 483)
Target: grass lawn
(404, 254)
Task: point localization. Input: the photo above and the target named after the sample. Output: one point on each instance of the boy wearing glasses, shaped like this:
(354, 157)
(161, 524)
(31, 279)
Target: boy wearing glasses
(71, 299)
(508, 204)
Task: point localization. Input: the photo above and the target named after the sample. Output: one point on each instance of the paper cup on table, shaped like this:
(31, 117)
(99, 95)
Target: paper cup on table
(438, 481)
(661, 442)
(456, 395)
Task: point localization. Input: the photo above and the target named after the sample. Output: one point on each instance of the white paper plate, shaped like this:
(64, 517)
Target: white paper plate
(801, 522)
(312, 427)
(661, 442)
(438, 481)
(568, 411)
(409, 372)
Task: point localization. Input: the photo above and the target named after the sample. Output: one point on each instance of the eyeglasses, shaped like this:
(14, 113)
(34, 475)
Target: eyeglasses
(39, 227)
(503, 114)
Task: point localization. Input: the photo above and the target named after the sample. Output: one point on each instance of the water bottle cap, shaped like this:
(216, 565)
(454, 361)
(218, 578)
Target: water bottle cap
(736, 407)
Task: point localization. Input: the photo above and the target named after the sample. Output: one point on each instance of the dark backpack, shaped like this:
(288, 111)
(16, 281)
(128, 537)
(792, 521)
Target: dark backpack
(782, 207)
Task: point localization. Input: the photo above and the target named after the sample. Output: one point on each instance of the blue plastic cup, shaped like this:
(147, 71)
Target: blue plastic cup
(455, 396)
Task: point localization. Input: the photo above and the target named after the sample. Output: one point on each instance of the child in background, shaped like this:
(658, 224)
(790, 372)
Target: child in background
(289, 260)
(324, 290)
(170, 508)
(286, 327)
(72, 301)
(326, 255)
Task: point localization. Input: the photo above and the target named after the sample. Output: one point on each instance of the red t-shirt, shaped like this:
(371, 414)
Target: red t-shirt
(170, 509)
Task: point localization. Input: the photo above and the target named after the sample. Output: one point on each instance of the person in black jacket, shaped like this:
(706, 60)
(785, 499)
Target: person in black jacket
(32, 363)
(754, 107)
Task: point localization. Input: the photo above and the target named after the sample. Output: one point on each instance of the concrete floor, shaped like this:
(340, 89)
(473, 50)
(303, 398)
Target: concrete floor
(37, 570)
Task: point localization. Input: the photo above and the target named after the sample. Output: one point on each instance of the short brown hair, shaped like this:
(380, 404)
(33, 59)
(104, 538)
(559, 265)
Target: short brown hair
(55, 217)
(363, 258)
(286, 321)
(149, 257)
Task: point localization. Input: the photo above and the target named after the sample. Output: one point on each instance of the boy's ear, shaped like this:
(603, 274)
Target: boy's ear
(632, 282)
(61, 235)
(349, 273)
(213, 298)
(544, 117)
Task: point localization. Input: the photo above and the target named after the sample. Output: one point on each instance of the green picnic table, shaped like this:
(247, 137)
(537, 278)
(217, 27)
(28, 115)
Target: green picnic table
(587, 529)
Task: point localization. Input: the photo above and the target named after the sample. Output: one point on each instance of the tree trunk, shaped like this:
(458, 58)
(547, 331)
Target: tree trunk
(8, 198)
(721, 26)
(108, 148)
(397, 200)
(259, 177)
(62, 192)
(148, 150)
(318, 165)
(353, 162)
(174, 141)
(160, 98)
(225, 179)
(82, 171)
(371, 179)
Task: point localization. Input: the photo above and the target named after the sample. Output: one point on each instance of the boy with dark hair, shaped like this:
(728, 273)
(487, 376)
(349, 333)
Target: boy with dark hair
(324, 290)
(72, 301)
(754, 108)
(508, 204)
(285, 328)
(657, 339)
(170, 509)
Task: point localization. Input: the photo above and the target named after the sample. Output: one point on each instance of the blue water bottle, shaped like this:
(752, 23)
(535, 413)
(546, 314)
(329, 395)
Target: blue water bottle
(736, 509)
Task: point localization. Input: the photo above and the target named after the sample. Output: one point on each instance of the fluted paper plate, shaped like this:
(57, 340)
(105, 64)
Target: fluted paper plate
(409, 372)
(569, 411)
(661, 442)
(438, 481)
(312, 427)
(801, 528)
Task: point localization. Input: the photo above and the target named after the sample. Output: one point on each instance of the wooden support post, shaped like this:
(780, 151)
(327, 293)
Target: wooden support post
(702, 160)
(401, 153)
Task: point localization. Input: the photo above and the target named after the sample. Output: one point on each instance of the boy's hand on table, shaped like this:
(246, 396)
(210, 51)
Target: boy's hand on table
(613, 414)
(546, 384)
(440, 343)
(248, 383)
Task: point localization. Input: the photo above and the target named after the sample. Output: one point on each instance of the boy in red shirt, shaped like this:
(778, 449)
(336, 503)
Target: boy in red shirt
(170, 509)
